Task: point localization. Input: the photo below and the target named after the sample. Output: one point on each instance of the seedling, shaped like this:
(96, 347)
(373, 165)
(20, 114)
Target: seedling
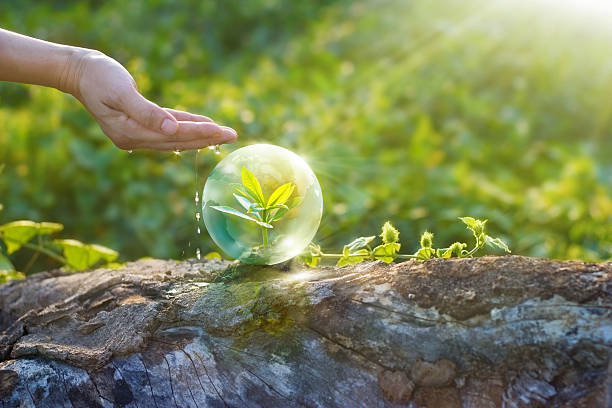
(262, 212)
(360, 249)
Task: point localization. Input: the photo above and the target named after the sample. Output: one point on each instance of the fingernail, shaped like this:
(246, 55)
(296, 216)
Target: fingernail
(229, 133)
(169, 126)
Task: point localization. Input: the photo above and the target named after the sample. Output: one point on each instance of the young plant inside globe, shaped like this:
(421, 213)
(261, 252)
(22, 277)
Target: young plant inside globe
(262, 204)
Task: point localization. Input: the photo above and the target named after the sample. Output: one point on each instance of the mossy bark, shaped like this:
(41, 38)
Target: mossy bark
(485, 332)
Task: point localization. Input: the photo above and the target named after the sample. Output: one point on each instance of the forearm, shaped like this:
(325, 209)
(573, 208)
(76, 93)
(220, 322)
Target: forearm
(32, 61)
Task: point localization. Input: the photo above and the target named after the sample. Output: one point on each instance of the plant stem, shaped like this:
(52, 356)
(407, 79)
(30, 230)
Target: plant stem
(473, 251)
(41, 249)
(47, 252)
(264, 236)
(401, 256)
(31, 262)
(406, 256)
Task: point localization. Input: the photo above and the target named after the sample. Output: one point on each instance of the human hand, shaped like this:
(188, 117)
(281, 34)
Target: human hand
(109, 93)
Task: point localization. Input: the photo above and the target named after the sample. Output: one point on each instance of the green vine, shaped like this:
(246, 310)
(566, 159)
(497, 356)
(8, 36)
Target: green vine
(361, 249)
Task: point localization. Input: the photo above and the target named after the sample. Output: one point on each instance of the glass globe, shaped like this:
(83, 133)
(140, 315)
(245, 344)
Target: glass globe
(262, 204)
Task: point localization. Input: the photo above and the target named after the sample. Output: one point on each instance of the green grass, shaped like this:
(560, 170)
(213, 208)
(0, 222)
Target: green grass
(414, 112)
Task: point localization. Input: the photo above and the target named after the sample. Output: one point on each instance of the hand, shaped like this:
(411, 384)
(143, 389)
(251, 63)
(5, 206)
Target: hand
(109, 93)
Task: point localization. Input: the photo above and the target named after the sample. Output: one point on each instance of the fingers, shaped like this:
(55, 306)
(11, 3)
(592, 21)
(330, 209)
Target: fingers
(138, 123)
(146, 113)
(189, 145)
(127, 134)
(200, 130)
(187, 131)
(186, 116)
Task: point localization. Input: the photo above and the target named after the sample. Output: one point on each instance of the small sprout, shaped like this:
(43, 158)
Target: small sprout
(360, 249)
(456, 249)
(262, 212)
(389, 233)
(427, 239)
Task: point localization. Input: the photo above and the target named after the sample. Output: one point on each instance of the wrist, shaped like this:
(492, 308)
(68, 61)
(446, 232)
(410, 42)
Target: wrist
(73, 67)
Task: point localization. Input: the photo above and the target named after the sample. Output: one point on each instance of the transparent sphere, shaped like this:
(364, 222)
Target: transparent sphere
(262, 204)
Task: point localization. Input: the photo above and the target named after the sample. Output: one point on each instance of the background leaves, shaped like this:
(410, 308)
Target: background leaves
(416, 112)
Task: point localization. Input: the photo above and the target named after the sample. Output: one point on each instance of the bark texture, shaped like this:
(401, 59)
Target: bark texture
(485, 332)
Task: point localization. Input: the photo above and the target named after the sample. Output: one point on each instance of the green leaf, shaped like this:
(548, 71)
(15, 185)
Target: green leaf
(107, 254)
(114, 265)
(477, 226)
(386, 252)
(389, 233)
(354, 257)
(6, 264)
(230, 210)
(427, 239)
(17, 233)
(213, 255)
(77, 255)
(9, 275)
(264, 224)
(360, 243)
(251, 195)
(281, 194)
(246, 204)
(312, 255)
(250, 181)
(278, 214)
(456, 249)
(80, 256)
(295, 201)
(496, 243)
(277, 206)
(48, 228)
(424, 253)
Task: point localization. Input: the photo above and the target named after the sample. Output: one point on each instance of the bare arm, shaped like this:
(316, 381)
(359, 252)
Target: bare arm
(108, 92)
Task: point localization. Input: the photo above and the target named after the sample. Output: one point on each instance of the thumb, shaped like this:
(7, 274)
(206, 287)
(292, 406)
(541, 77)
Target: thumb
(147, 113)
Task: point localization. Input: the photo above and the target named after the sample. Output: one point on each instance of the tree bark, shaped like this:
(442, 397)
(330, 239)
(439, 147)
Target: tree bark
(484, 332)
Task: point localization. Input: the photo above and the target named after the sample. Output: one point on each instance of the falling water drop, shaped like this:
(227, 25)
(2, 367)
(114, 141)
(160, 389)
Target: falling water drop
(197, 199)
(212, 147)
(198, 216)
(198, 253)
(217, 149)
(177, 152)
(199, 230)
(130, 151)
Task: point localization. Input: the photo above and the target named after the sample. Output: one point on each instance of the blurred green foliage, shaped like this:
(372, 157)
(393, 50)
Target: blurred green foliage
(417, 112)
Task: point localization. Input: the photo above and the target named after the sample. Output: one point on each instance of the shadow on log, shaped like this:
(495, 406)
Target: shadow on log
(485, 332)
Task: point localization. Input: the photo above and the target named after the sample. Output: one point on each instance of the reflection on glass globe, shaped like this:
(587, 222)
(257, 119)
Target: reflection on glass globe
(262, 204)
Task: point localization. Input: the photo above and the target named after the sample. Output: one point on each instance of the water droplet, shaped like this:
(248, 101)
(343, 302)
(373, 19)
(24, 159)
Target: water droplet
(198, 253)
(199, 150)
(217, 149)
(198, 230)
(198, 216)
(130, 151)
(177, 152)
(197, 198)
(189, 244)
(212, 147)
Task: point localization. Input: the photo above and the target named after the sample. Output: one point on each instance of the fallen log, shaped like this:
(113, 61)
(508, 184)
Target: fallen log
(485, 332)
